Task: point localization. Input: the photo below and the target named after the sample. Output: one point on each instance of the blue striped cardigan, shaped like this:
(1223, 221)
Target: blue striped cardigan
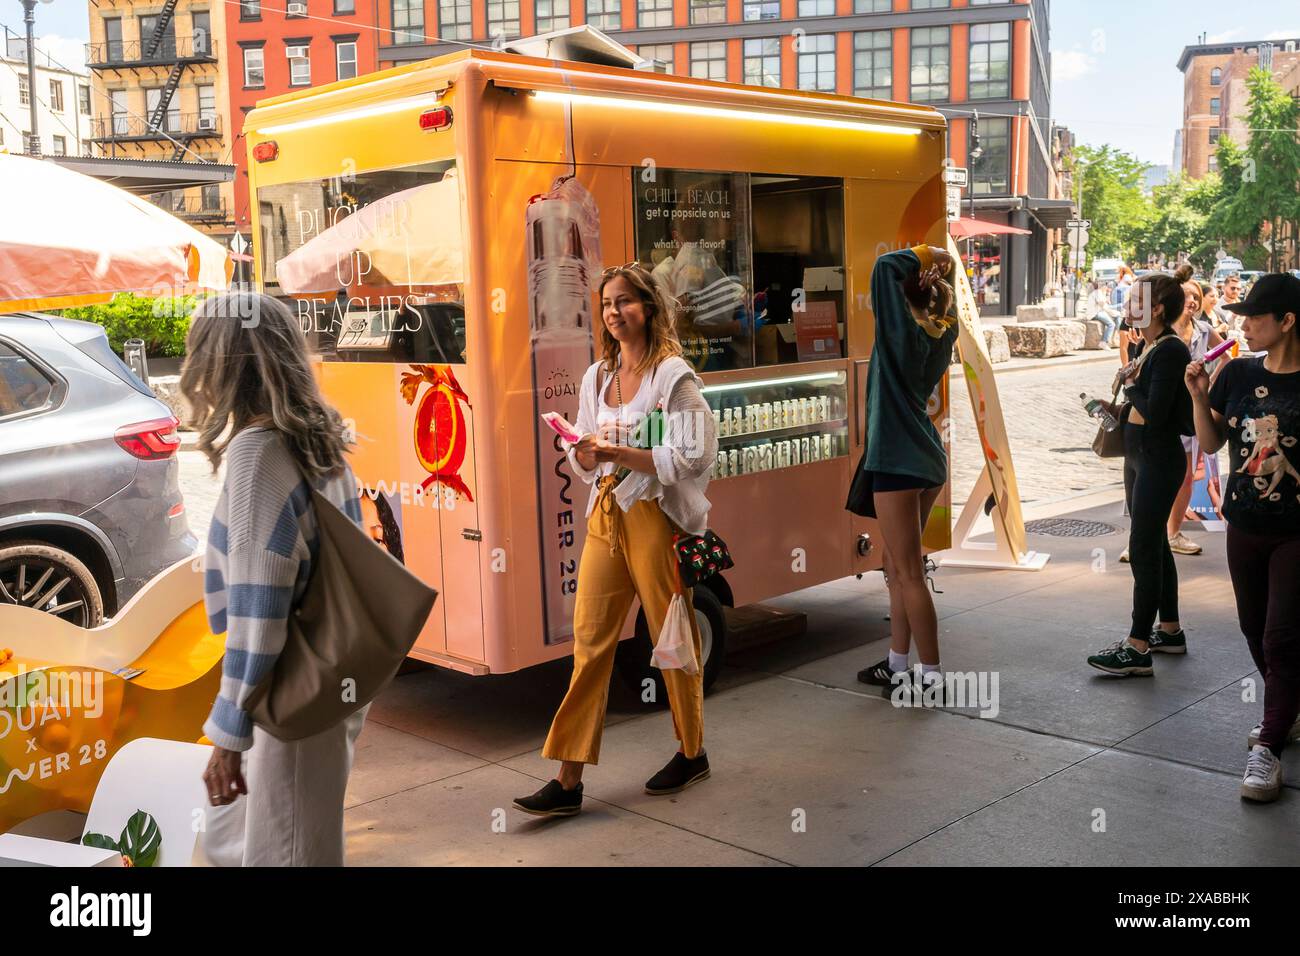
(259, 557)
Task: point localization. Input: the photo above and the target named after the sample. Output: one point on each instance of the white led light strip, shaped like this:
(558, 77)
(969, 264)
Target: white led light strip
(722, 112)
(733, 386)
(379, 109)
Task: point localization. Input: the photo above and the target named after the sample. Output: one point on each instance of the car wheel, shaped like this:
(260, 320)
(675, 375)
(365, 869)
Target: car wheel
(49, 579)
(633, 658)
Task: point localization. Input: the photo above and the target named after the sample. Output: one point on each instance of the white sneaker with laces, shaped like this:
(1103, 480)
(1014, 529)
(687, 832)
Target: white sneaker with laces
(1263, 780)
(1181, 544)
(1253, 738)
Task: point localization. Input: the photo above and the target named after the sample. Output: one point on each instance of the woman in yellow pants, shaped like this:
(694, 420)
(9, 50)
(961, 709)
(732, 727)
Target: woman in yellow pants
(640, 498)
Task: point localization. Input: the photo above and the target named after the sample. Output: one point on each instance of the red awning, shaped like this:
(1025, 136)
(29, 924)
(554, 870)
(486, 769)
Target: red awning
(961, 228)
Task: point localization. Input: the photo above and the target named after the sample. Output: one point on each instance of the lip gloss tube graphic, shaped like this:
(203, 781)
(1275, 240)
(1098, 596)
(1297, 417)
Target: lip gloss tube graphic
(563, 239)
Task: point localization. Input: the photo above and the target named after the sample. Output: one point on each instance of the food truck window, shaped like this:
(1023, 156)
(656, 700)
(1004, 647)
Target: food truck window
(798, 250)
(693, 230)
(372, 262)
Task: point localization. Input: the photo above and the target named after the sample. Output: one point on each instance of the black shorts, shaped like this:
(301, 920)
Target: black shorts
(866, 483)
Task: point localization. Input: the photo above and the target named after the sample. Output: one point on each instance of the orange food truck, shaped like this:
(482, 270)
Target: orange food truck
(440, 228)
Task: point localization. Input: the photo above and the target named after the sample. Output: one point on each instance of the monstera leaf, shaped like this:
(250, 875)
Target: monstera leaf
(139, 843)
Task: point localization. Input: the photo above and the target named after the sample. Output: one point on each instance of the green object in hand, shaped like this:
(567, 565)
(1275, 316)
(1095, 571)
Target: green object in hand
(648, 433)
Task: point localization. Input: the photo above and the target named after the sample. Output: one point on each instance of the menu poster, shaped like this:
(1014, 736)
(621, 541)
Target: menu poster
(692, 232)
(816, 331)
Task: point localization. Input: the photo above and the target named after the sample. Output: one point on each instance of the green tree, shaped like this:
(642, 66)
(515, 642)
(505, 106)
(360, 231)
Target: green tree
(1108, 185)
(1180, 212)
(1261, 196)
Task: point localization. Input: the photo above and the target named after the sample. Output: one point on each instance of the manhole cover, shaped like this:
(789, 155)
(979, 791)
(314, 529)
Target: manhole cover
(1069, 527)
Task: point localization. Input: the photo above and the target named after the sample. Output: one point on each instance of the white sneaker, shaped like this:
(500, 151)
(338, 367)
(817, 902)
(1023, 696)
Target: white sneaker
(1263, 780)
(1123, 556)
(1253, 738)
(1181, 544)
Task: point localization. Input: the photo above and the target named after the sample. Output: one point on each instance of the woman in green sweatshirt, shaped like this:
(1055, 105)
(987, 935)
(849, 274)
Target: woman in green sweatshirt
(904, 465)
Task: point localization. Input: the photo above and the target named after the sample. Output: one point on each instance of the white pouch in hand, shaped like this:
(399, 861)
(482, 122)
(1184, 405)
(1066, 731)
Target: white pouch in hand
(675, 648)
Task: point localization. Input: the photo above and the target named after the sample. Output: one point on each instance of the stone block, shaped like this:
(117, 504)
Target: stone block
(1043, 312)
(995, 340)
(1076, 333)
(1093, 331)
(1038, 340)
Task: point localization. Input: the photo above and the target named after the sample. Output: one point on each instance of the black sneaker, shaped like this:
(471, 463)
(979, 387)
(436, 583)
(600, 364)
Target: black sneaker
(878, 675)
(1162, 642)
(680, 773)
(552, 801)
(1123, 660)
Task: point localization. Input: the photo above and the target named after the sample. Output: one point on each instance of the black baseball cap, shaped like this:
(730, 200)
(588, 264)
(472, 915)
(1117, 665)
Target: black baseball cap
(1277, 293)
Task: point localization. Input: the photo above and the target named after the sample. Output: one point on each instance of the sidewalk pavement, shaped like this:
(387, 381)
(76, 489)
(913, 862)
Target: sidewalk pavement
(811, 767)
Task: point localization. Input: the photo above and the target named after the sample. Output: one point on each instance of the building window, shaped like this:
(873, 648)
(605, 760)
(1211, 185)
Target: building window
(1214, 105)
(816, 8)
(201, 27)
(764, 10)
(208, 103)
(551, 15)
(990, 60)
(170, 121)
(113, 40)
(24, 90)
(60, 146)
(254, 68)
(709, 60)
(503, 18)
(345, 6)
(345, 59)
(56, 95)
(873, 6)
(1216, 76)
(1215, 133)
(605, 14)
(708, 11)
(657, 51)
(762, 62)
(454, 20)
(166, 48)
(991, 173)
(930, 4)
(299, 65)
(250, 9)
(654, 13)
(210, 197)
(873, 64)
(929, 64)
(117, 111)
(83, 99)
(986, 3)
(408, 21)
(816, 62)
(1214, 163)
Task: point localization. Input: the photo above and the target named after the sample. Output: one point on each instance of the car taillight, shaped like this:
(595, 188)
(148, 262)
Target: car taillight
(150, 441)
(435, 119)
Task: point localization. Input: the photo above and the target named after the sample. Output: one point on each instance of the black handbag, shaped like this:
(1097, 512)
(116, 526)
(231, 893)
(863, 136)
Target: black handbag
(700, 557)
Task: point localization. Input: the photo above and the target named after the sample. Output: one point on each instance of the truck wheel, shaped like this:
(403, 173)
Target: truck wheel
(50, 579)
(633, 657)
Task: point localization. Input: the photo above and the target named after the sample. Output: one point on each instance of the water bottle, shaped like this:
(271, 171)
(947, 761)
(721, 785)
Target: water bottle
(1095, 408)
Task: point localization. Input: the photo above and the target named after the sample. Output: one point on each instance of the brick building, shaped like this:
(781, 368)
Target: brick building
(960, 56)
(1215, 95)
(285, 45)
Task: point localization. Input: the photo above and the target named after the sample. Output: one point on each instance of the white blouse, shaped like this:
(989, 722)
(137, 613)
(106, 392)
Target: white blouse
(683, 460)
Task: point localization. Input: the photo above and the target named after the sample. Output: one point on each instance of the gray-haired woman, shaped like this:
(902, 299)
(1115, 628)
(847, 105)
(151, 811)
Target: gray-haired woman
(250, 387)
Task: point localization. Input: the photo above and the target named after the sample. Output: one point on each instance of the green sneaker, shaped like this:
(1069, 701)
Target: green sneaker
(1123, 660)
(1162, 642)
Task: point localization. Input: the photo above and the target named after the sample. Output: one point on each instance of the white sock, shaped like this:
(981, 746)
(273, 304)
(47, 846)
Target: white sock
(927, 670)
(897, 661)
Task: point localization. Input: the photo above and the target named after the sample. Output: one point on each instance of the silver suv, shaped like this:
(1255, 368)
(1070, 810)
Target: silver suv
(90, 506)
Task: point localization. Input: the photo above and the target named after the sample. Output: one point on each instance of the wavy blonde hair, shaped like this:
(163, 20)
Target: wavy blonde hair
(661, 330)
(247, 363)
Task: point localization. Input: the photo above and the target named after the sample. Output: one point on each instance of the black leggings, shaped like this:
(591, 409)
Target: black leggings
(1152, 477)
(1266, 579)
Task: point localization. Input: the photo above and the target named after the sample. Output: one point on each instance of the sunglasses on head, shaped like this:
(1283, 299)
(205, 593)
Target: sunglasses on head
(615, 269)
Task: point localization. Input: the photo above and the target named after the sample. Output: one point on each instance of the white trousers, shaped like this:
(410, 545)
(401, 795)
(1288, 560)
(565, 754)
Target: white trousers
(293, 814)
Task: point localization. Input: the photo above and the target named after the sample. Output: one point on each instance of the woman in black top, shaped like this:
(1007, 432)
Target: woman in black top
(1158, 414)
(1255, 403)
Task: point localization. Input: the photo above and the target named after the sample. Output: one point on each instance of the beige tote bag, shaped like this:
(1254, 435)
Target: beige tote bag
(358, 619)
